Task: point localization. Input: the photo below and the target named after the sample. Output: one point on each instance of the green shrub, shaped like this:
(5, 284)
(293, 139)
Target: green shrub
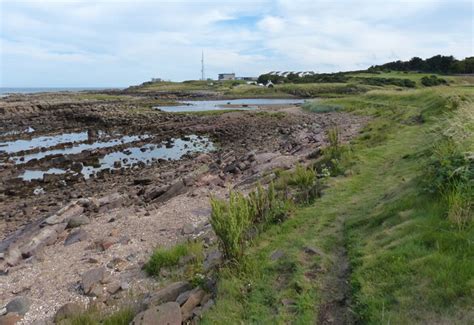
(333, 155)
(266, 205)
(230, 222)
(433, 81)
(451, 177)
(121, 317)
(306, 182)
(448, 167)
(167, 257)
(460, 202)
(376, 81)
(316, 107)
(92, 316)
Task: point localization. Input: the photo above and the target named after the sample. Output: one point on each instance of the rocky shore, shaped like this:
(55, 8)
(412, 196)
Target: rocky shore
(80, 236)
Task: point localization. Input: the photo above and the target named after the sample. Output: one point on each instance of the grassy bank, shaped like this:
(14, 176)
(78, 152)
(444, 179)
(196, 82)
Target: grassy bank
(412, 260)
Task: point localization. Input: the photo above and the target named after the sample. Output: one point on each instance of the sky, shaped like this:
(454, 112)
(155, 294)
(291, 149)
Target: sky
(85, 43)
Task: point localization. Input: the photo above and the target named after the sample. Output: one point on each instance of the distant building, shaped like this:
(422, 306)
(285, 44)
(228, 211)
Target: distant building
(286, 73)
(247, 78)
(156, 80)
(269, 84)
(226, 76)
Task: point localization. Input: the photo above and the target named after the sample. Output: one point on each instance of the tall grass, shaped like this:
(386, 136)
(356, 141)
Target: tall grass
(460, 204)
(167, 257)
(230, 221)
(307, 184)
(267, 206)
(233, 219)
(93, 317)
(451, 169)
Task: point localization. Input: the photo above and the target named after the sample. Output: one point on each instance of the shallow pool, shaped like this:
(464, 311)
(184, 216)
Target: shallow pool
(242, 104)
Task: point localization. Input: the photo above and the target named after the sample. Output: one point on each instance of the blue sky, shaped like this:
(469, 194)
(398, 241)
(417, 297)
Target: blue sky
(120, 43)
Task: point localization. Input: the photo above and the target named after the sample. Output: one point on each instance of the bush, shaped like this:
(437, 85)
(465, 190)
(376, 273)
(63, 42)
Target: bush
(460, 204)
(167, 257)
(376, 81)
(230, 222)
(267, 206)
(333, 155)
(92, 316)
(433, 81)
(451, 177)
(307, 184)
(317, 107)
(448, 167)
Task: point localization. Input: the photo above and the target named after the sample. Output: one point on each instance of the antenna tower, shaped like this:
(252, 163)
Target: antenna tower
(202, 66)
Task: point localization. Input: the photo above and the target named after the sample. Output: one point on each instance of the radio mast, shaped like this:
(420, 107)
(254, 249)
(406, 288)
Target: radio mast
(202, 66)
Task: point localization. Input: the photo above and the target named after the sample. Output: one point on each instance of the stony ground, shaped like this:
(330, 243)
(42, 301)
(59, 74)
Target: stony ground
(116, 219)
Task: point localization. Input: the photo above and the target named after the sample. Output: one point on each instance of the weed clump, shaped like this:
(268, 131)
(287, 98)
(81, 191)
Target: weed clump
(376, 81)
(307, 184)
(433, 81)
(167, 257)
(230, 220)
(450, 173)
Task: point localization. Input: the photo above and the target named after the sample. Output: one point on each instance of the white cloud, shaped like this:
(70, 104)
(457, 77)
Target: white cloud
(130, 41)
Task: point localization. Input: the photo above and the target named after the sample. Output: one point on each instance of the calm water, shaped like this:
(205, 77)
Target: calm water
(42, 142)
(78, 148)
(145, 154)
(210, 105)
(25, 90)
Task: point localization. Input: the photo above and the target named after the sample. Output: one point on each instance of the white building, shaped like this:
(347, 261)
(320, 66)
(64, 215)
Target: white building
(226, 76)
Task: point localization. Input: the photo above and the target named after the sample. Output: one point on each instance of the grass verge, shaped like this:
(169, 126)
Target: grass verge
(410, 263)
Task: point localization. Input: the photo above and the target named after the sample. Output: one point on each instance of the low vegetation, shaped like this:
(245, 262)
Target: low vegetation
(92, 316)
(405, 210)
(377, 81)
(399, 199)
(433, 81)
(170, 257)
(435, 64)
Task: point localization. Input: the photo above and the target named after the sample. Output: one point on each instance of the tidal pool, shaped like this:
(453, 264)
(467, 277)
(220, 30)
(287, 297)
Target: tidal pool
(242, 104)
(78, 148)
(129, 157)
(11, 147)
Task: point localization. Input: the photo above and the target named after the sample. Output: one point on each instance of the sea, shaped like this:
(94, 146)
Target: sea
(26, 90)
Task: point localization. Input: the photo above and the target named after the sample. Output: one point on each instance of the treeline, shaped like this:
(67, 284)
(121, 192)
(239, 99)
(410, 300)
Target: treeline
(435, 64)
(309, 78)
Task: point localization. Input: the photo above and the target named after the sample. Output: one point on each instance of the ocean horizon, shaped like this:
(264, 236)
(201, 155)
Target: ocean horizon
(32, 90)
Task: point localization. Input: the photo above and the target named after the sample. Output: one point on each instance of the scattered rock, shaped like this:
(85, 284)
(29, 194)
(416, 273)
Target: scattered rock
(63, 215)
(78, 221)
(194, 299)
(276, 255)
(156, 192)
(213, 259)
(114, 287)
(10, 319)
(177, 188)
(169, 293)
(116, 264)
(207, 305)
(67, 310)
(13, 256)
(165, 314)
(312, 250)
(106, 243)
(46, 236)
(91, 279)
(188, 229)
(183, 297)
(76, 236)
(19, 305)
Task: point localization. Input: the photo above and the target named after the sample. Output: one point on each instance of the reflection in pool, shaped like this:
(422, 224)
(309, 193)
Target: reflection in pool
(242, 104)
(146, 154)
